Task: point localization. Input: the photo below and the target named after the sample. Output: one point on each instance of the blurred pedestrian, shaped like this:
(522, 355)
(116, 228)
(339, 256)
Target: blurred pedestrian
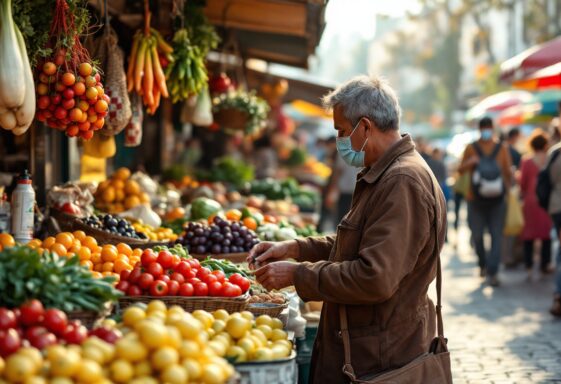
(537, 223)
(342, 188)
(488, 162)
(512, 140)
(555, 211)
(438, 167)
(509, 256)
(372, 276)
(265, 158)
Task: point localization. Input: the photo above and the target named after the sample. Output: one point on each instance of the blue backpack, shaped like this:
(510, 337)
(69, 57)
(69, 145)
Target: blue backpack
(487, 178)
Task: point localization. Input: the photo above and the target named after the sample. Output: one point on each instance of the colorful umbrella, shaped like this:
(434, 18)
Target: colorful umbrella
(531, 60)
(542, 107)
(492, 105)
(549, 77)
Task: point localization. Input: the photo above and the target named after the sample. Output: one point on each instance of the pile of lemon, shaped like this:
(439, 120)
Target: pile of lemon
(241, 338)
(119, 193)
(155, 234)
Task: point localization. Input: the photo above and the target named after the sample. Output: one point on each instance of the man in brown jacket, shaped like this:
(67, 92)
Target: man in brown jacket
(384, 255)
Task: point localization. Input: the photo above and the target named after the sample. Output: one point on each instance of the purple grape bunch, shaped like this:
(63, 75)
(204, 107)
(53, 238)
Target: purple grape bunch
(221, 236)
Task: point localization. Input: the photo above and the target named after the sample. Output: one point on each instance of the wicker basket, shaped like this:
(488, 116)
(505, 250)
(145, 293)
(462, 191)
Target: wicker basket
(90, 318)
(231, 118)
(64, 220)
(190, 304)
(271, 309)
(233, 257)
(104, 237)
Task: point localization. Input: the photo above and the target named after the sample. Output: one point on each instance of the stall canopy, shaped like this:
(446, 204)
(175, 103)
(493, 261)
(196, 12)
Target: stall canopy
(531, 60)
(541, 108)
(549, 77)
(280, 31)
(494, 104)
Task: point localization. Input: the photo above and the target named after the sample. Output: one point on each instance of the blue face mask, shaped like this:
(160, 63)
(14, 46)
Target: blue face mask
(486, 134)
(346, 151)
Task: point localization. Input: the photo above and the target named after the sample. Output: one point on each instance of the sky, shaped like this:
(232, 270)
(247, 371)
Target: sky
(352, 17)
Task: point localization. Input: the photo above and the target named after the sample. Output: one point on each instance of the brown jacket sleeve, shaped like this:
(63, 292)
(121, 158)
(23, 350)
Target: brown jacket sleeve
(316, 248)
(392, 238)
(468, 153)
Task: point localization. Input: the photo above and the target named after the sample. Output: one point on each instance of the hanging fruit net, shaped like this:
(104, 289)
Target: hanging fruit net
(70, 95)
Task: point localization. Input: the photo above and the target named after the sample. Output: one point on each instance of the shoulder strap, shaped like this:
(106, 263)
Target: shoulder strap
(496, 150)
(477, 149)
(348, 368)
(553, 157)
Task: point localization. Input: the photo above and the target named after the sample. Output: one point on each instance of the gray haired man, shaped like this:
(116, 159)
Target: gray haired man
(379, 265)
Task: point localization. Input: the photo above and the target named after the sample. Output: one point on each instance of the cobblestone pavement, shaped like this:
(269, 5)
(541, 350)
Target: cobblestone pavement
(498, 335)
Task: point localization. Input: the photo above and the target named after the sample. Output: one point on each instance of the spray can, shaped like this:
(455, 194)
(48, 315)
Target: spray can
(23, 205)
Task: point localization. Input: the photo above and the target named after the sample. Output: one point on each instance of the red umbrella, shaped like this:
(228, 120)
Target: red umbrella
(494, 104)
(549, 77)
(532, 60)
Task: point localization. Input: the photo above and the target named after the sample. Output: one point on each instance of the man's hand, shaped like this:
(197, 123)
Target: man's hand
(276, 275)
(267, 252)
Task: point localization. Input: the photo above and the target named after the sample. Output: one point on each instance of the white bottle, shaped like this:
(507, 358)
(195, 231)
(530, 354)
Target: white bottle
(23, 206)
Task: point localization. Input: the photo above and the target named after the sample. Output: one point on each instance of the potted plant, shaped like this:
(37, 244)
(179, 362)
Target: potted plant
(239, 110)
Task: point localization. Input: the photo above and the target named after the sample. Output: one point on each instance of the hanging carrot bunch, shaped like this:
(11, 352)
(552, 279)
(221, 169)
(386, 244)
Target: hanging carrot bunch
(145, 75)
(70, 96)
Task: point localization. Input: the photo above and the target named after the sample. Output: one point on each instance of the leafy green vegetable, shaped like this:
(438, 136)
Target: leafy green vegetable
(177, 249)
(58, 282)
(203, 208)
(229, 170)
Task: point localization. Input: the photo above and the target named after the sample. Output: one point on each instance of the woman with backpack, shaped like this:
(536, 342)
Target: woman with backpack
(537, 223)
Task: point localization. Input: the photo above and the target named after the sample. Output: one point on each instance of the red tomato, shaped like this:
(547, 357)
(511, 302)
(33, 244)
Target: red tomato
(134, 290)
(192, 273)
(10, 342)
(165, 278)
(177, 277)
(173, 288)
(159, 288)
(219, 275)
(75, 334)
(194, 281)
(182, 267)
(145, 281)
(231, 290)
(32, 312)
(242, 282)
(186, 289)
(35, 331)
(55, 321)
(203, 272)
(123, 286)
(7, 319)
(194, 263)
(147, 257)
(234, 278)
(175, 260)
(125, 273)
(43, 340)
(210, 279)
(215, 289)
(201, 289)
(135, 275)
(165, 258)
(155, 269)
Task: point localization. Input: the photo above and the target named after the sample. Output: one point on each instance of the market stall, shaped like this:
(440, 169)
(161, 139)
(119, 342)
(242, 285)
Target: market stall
(130, 201)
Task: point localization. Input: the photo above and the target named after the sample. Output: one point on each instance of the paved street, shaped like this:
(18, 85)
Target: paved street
(501, 335)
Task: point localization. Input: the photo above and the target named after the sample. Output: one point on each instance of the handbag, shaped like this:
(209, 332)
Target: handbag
(431, 367)
(514, 221)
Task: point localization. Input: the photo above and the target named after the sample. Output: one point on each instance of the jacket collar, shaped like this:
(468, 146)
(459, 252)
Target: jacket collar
(373, 173)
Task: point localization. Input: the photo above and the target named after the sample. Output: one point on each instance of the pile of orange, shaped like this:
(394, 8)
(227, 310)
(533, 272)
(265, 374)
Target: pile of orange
(106, 260)
(6, 240)
(120, 193)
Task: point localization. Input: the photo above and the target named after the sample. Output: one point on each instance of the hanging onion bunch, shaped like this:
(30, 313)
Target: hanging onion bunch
(17, 91)
(70, 94)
